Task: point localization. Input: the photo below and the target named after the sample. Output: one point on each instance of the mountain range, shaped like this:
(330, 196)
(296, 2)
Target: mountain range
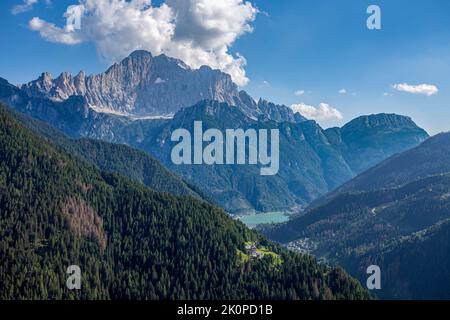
(313, 161)
(145, 86)
(310, 164)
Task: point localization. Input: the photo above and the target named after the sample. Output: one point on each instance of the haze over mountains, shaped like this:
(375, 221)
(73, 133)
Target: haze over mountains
(313, 160)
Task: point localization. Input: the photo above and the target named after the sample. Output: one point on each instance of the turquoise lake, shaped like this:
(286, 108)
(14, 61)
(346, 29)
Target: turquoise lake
(264, 218)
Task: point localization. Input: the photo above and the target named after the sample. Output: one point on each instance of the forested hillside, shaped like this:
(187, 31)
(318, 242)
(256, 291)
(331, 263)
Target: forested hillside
(134, 164)
(428, 159)
(395, 215)
(129, 241)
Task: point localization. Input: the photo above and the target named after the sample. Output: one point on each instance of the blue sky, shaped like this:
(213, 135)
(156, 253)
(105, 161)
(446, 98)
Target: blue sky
(318, 47)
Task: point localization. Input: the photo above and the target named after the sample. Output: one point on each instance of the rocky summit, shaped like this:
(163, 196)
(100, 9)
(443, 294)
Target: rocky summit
(142, 85)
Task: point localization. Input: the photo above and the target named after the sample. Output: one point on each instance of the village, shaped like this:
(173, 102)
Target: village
(303, 246)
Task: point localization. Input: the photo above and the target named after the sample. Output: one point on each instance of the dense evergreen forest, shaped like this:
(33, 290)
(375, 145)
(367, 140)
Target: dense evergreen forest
(131, 242)
(403, 227)
(109, 157)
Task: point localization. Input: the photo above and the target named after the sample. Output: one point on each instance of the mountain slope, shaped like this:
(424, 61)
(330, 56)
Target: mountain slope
(136, 165)
(310, 162)
(367, 140)
(429, 158)
(130, 242)
(427, 252)
(395, 215)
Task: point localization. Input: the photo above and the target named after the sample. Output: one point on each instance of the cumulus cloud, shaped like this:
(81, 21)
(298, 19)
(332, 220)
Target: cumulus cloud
(424, 89)
(299, 93)
(324, 112)
(199, 32)
(342, 91)
(52, 33)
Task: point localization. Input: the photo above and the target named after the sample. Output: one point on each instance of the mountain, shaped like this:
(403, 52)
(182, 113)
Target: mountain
(311, 164)
(143, 86)
(428, 159)
(129, 241)
(395, 215)
(367, 140)
(313, 161)
(241, 187)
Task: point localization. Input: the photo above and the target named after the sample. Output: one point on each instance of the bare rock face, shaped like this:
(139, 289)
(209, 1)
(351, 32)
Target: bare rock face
(142, 85)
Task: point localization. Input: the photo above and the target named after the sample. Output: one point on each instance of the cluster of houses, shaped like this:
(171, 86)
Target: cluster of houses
(304, 246)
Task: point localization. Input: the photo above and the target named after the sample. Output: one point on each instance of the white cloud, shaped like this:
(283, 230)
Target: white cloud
(299, 93)
(52, 33)
(25, 6)
(424, 89)
(342, 91)
(323, 112)
(388, 94)
(199, 32)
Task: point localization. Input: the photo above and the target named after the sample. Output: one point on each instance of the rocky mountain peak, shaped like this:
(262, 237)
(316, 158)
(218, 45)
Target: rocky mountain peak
(43, 83)
(81, 74)
(140, 85)
(46, 76)
(143, 85)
